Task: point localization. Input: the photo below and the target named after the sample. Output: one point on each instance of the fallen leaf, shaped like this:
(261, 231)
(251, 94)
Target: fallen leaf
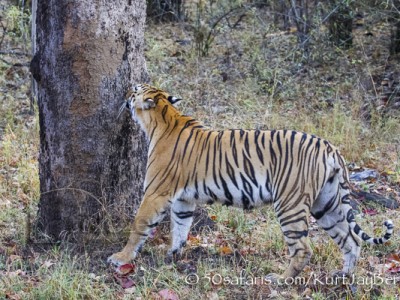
(225, 250)
(370, 211)
(124, 281)
(126, 269)
(127, 283)
(394, 257)
(193, 240)
(130, 290)
(394, 265)
(214, 218)
(121, 275)
(167, 294)
(47, 264)
(394, 269)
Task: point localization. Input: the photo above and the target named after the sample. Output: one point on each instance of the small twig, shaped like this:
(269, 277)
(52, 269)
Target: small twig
(332, 11)
(298, 18)
(4, 33)
(237, 22)
(211, 32)
(12, 52)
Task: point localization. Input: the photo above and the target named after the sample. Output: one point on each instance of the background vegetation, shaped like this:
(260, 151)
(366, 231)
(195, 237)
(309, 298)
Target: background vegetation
(237, 64)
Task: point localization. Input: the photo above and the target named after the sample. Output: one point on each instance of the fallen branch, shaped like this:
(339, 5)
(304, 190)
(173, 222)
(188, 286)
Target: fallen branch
(376, 198)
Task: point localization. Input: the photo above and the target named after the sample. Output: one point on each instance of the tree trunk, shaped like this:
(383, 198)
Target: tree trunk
(281, 12)
(395, 39)
(340, 24)
(33, 51)
(91, 165)
(303, 23)
(395, 32)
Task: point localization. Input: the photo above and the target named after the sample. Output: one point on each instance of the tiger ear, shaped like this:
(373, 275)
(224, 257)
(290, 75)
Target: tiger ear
(174, 100)
(149, 103)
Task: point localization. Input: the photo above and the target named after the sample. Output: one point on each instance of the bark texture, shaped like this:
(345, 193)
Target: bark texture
(91, 164)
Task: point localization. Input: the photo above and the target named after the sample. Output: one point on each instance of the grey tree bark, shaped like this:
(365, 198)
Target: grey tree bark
(33, 50)
(91, 165)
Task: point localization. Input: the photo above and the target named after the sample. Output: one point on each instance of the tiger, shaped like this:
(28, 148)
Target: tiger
(188, 164)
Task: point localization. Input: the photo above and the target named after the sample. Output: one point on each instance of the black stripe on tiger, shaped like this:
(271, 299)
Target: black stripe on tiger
(258, 149)
(249, 169)
(183, 214)
(227, 193)
(230, 171)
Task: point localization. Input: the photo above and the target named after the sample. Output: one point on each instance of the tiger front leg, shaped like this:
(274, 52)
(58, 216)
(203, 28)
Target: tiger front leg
(150, 213)
(181, 220)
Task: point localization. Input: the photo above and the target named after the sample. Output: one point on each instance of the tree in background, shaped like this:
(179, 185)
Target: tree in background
(89, 52)
(340, 23)
(165, 10)
(338, 16)
(302, 19)
(395, 34)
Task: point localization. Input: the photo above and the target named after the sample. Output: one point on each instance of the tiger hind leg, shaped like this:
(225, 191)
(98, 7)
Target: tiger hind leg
(337, 227)
(181, 220)
(331, 210)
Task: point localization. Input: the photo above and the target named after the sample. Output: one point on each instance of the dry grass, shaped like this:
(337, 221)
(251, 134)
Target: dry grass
(252, 78)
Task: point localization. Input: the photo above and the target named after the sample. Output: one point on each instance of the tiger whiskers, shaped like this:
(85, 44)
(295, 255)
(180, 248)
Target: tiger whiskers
(122, 108)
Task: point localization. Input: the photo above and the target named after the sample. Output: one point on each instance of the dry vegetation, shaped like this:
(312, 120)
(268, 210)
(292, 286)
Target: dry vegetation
(253, 77)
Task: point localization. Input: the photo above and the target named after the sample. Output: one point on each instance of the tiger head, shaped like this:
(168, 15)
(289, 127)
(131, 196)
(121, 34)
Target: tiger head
(145, 97)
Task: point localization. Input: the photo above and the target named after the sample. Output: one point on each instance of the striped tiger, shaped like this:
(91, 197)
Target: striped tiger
(298, 173)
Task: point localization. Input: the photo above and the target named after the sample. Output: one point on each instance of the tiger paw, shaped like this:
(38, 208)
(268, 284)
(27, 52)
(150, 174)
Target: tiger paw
(176, 251)
(173, 255)
(118, 259)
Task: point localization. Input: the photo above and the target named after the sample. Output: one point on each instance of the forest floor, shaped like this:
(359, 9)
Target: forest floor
(254, 76)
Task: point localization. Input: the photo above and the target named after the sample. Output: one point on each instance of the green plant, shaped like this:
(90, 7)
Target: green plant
(18, 22)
